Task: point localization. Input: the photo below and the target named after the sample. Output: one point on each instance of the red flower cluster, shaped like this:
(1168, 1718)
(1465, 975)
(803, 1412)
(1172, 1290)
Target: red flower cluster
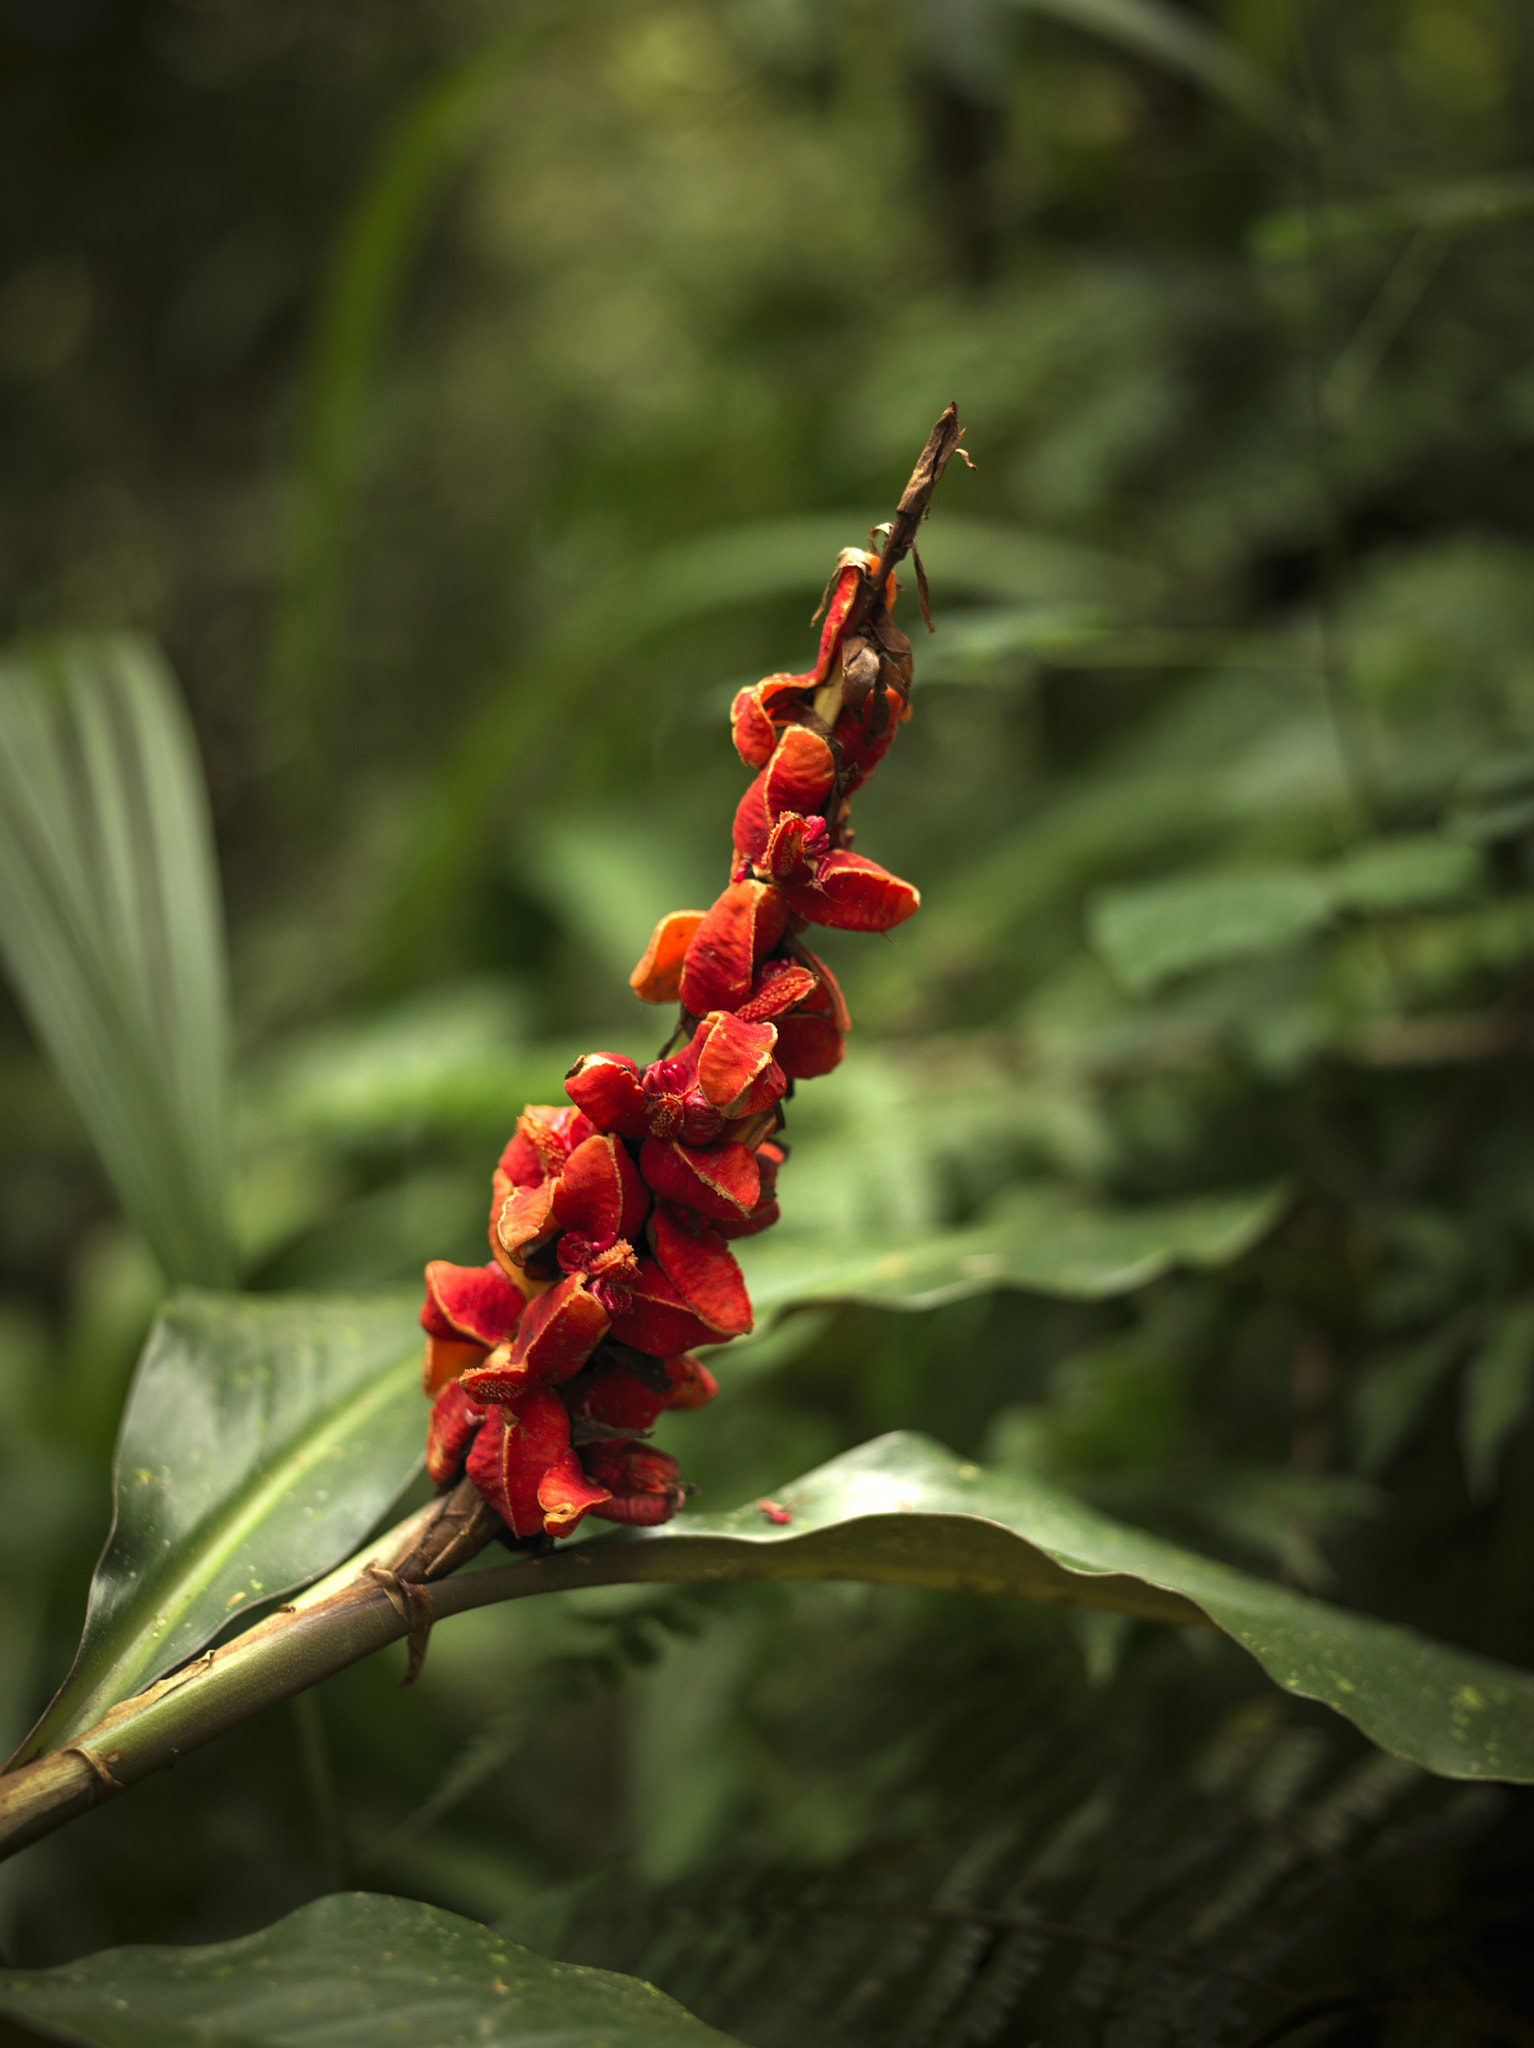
(611, 1221)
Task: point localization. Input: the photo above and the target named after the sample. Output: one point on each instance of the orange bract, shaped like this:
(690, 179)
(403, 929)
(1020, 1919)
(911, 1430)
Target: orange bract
(658, 977)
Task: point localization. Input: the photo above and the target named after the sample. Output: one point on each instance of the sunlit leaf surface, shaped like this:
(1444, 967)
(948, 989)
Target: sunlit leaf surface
(354, 1967)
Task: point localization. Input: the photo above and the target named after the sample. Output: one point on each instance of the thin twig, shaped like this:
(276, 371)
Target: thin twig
(942, 446)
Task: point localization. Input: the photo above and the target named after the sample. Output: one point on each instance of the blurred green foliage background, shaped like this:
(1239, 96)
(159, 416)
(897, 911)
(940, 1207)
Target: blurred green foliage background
(467, 397)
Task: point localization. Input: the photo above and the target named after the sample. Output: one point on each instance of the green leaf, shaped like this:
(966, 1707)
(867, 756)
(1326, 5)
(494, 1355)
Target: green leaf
(1036, 1240)
(1181, 43)
(1151, 932)
(1394, 1394)
(1499, 1387)
(690, 579)
(353, 1968)
(1291, 234)
(377, 244)
(903, 1510)
(112, 932)
(261, 1441)
(1414, 873)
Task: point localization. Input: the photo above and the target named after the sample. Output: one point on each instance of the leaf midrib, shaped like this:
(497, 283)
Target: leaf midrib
(227, 1530)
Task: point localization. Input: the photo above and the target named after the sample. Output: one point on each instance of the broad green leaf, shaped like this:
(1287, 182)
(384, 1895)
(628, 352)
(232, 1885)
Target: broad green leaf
(903, 1510)
(112, 932)
(350, 1969)
(1405, 874)
(261, 1441)
(1149, 933)
(1499, 1389)
(1035, 1240)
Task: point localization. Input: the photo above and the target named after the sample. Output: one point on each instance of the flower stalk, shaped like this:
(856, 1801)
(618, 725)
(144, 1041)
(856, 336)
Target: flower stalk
(612, 1216)
(611, 1223)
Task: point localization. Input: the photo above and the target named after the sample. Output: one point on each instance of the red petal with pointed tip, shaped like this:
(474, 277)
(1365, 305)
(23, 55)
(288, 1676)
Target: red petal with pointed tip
(454, 1422)
(722, 1184)
(800, 773)
(779, 986)
(730, 1057)
(808, 1046)
(607, 1088)
(644, 1485)
(657, 1321)
(522, 1464)
(735, 934)
(851, 894)
(447, 1358)
(557, 1334)
(657, 978)
(471, 1301)
(702, 1268)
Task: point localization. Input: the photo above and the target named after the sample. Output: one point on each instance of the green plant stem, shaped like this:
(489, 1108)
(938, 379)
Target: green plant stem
(381, 1596)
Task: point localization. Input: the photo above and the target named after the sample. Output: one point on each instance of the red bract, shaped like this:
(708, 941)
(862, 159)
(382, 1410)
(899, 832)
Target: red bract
(657, 978)
(522, 1463)
(454, 1421)
(611, 1219)
(643, 1486)
(657, 1321)
(607, 1087)
(556, 1336)
(618, 1402)
(779, 985)
(769, 1158)
(721, 1183)
(735, 935)
(852, 895)
(799, 777)
(702, 1269)
(468, 1311)
(736, 1071)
